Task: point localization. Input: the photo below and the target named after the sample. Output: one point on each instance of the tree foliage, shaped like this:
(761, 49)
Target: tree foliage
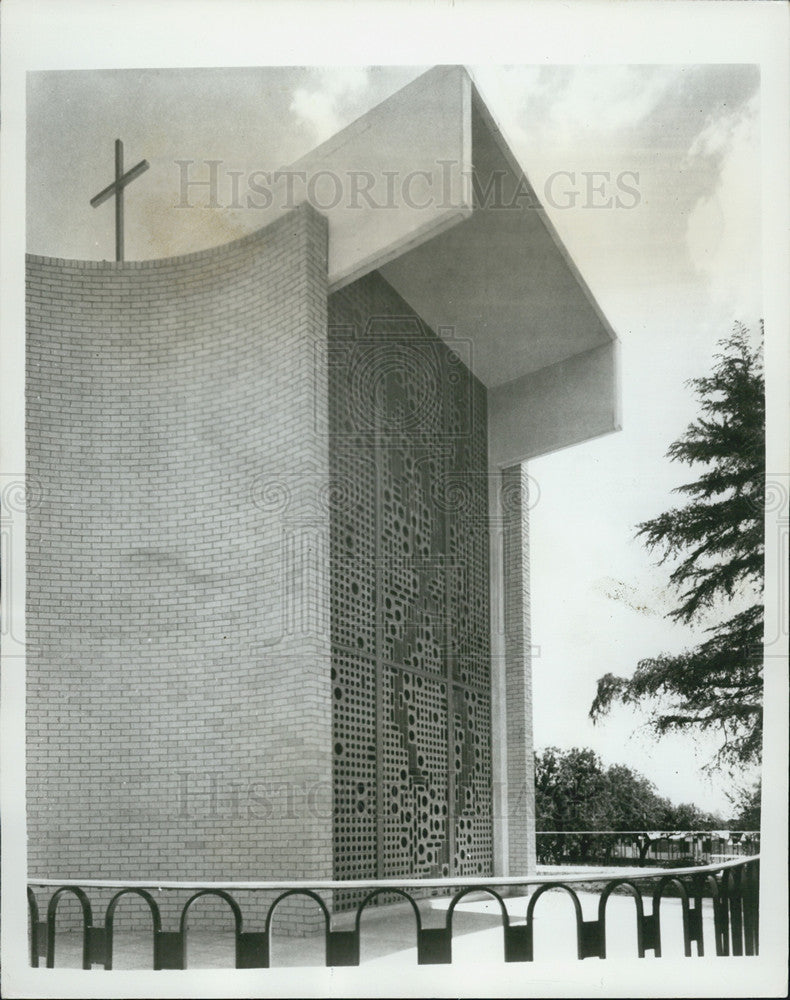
(747, 803)
(571, 791)
(575, 796)
(715, 542)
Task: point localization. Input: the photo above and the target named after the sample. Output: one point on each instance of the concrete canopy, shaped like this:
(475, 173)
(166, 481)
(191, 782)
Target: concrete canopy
(425, 189)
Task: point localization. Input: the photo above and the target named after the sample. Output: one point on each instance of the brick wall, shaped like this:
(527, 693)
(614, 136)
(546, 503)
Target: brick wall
(178, 658)
(520, 767)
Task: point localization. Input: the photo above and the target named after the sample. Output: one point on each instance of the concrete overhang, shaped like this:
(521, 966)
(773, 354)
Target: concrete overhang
(425, 189)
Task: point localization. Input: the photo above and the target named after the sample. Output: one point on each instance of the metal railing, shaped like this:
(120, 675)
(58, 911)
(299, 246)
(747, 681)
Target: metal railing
(732, 886)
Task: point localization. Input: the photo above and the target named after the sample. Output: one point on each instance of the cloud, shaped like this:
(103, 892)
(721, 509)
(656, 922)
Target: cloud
(610, 98)
(723, 230)
(324, 107)
(556, 105)
(510, 90)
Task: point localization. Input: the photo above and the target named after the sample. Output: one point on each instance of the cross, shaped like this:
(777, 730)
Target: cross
(116, 188)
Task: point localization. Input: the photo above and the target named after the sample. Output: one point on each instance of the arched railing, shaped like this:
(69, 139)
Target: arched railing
(732, 886)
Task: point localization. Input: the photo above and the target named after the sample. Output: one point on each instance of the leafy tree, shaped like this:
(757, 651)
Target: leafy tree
(576, 796)
(570, 795)
(633, 802)
(573, 791)
(746, 801)
(716, 542)
(687, 816)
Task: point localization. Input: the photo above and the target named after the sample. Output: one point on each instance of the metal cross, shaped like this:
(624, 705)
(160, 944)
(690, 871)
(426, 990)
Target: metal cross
(116, 188)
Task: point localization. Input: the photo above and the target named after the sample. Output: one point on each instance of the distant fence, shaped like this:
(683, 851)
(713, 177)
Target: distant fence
(648, 847)
(732, 886)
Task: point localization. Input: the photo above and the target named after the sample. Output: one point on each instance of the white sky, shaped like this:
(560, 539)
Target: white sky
(671, 273)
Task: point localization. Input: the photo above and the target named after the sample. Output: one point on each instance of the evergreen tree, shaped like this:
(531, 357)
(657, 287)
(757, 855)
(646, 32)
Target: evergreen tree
(716, 542)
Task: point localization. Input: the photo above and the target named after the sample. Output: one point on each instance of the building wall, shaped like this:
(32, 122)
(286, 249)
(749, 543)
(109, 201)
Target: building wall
(195, 654)
(409, 585)
(178, 660)
(520, 759)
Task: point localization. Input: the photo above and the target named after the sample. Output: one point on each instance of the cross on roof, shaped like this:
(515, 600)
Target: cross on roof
(116, 188)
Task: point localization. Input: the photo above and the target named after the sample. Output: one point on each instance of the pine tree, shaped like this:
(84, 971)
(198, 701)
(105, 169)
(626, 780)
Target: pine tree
(716, 543)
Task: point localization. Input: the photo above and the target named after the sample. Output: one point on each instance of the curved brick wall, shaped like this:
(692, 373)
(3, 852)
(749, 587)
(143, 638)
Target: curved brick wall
(176, 437)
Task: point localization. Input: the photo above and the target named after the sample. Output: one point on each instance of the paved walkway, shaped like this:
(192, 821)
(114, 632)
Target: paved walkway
(388, 935)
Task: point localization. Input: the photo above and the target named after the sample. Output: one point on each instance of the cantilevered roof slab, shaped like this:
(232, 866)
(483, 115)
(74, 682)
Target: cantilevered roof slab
(393, 178)
(502, 278)
(449, 218)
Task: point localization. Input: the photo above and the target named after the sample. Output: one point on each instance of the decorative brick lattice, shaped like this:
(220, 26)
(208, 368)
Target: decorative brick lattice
(409, 595)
